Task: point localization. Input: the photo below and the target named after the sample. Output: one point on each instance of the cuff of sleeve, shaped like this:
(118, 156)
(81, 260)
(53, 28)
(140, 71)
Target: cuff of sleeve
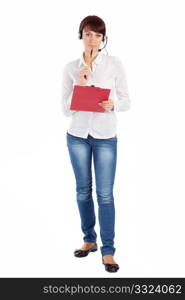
(122, 105)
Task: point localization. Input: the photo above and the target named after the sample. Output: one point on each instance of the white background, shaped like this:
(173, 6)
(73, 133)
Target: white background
(39, 219)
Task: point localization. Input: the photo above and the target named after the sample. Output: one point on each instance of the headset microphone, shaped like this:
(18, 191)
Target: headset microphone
(104, 45)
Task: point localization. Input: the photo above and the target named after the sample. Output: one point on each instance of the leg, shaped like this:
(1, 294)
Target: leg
(80, 152)
(105, 157)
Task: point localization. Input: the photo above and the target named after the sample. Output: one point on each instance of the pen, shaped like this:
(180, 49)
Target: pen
(90, 62)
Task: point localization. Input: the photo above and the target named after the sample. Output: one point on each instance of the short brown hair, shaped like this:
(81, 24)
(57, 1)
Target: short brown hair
(94, 23)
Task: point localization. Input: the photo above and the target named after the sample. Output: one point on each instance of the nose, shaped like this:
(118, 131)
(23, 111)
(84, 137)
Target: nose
(92, 39)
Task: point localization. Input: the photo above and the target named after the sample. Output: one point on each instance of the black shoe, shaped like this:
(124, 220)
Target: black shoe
(83, 253)
(110, 267)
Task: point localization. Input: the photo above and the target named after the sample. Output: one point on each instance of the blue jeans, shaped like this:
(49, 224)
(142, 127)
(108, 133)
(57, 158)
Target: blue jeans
(104, 152)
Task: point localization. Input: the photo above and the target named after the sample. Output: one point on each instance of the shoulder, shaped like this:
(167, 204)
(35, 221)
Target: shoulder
(118, 65)
(71, 65)
(114, 60)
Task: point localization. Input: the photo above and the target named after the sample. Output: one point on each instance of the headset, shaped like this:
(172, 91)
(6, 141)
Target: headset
(104, 37)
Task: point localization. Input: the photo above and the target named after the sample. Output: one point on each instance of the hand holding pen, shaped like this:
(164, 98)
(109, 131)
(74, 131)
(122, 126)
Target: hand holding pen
(84, 73)
(89, 59)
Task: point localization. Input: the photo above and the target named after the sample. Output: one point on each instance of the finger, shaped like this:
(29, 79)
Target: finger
(84, 72)
(107, 103)
(106, 107)
(85, 69)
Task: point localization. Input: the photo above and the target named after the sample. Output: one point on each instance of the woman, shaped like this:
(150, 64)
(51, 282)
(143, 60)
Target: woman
(93, 134)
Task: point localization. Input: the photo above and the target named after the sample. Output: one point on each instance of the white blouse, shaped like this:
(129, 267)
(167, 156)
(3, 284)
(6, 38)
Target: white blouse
(107, 72)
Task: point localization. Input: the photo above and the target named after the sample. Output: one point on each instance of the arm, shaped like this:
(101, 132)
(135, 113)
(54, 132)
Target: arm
(123, 101)
(67, 91)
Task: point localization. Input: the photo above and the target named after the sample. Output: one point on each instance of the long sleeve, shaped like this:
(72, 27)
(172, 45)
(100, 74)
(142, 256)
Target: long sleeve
(67, 91)
(122, 103)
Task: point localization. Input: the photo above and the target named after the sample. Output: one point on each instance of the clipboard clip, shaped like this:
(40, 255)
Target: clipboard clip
(95, 86)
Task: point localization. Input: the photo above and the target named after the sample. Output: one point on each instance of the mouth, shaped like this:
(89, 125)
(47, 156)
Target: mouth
(92, 46)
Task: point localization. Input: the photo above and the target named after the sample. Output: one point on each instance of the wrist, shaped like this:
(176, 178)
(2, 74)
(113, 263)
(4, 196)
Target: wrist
(82, 83)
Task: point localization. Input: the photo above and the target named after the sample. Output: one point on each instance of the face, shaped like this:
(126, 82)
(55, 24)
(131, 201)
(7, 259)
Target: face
(91, 40)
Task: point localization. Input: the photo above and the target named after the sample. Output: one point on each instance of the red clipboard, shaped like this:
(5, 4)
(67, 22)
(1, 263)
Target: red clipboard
(86, 98)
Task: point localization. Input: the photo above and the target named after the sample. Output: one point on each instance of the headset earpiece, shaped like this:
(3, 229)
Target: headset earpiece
(80, 35)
